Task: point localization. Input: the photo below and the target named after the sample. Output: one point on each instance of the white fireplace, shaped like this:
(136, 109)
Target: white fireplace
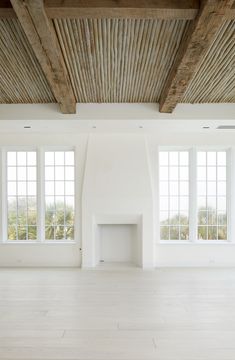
(117, 191)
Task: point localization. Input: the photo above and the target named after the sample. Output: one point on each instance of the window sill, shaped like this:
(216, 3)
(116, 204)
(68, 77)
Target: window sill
(205, 242)
(59, 242)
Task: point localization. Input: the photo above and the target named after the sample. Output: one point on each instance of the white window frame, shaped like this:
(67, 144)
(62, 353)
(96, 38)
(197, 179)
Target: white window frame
(230, 195)
(40, 153)
(57, 148)
(174, 148)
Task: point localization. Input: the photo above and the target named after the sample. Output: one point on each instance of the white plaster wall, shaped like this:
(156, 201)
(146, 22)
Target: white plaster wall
(157, 130)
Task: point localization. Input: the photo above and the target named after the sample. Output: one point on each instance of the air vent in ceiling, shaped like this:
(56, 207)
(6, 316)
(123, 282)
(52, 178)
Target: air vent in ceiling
(226, 127)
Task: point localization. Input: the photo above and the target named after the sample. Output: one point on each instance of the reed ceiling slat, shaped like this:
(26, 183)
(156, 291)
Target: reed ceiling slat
(214, 81)
(21, 77)
(118, 60)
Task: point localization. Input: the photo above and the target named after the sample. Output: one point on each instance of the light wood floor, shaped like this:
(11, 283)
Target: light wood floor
(167, 314)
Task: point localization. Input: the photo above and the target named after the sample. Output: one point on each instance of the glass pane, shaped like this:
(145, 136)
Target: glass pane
(49, 188)
(201, 188)
(201, 158)
(221, 158)
(31, 174)
(174, 218)
(222, 219)
(163, 173)
(12, 235)
(49, 158)
(163, 188)
(49, 233)
(174, 173)
(163, 203)
(59, 219)
(212, 218)
(59, 188)
(49, 173)
(211, 202)
(211, 158)
(222, 233)
(212, 233)
(69, 173)
(184, 203)
(202, 217)
(184, 158)
(69, 158)
(11, 158)
(31, 158)
(21, 188)
(32, 203)
(69, 217)
(32, 218)
(174, 203)
(221, 188)
(50, 218)
(164, 218)
(183, 173)
(59, 173)
(174, 188)
(59, 158)
(11, 173)
(11, 188)
(164, 233)
(22, 233)
(221, 203)
(211, 188)
(201, 202)
(174, 158)
(221, 173)
(184, 233)
(50, 203)
(184, 185)
(32, 232)
(201, 173)
(69, 233)
(183, 218)
(21, 173)
(21, 158)
(174, 233)
(32, 188)
(59, 233)
(163, 158)
(211, 173)
(202, 232)
(69, 188)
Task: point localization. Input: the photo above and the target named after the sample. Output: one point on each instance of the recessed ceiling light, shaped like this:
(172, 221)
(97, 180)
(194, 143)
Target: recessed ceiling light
(27, 127)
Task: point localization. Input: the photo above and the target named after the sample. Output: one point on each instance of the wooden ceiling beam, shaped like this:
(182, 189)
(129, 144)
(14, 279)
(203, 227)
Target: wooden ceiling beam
(196, 42)
(42, 37)
(136, 9)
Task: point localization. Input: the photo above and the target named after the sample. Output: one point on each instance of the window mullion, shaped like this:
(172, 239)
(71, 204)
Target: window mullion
(231, 195)
(193, 195)
(41, 196)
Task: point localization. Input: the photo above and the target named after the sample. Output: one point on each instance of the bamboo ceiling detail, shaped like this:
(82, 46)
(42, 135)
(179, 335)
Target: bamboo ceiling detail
(118, 60)
(22, 80)
(214, 80)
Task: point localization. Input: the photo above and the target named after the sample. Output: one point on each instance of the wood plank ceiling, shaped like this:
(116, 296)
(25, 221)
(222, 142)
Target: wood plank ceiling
(116, 51)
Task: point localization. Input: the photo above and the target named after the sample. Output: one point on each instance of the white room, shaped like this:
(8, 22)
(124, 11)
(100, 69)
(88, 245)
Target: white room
(117, 216)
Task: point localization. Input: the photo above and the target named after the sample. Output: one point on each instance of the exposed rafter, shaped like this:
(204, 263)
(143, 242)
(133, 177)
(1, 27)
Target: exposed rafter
(138, 9)
(196, 42)
(43, 40)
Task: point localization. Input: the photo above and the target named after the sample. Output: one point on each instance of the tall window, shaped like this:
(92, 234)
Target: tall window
(174, 195)
(22, 195)
(59, 195)
(211, 195)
